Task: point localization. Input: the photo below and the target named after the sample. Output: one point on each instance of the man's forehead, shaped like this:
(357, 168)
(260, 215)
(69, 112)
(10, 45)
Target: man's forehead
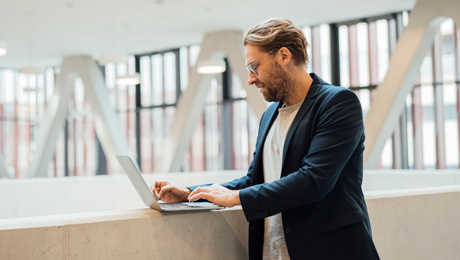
(252, 53)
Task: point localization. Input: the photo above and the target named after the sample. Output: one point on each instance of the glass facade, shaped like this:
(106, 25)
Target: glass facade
(352, 54)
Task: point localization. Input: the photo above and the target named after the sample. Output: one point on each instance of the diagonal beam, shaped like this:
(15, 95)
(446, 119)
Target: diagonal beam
(106, 123)
(404, 66)
(191, 103)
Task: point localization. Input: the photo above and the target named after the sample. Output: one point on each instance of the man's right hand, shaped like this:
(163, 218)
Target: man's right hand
(169, 192)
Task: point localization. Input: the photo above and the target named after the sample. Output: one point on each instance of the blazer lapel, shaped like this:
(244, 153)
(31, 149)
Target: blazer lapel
(309, 100)
(270, 115)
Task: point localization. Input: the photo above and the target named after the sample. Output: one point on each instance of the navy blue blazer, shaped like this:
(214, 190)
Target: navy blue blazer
(319, 193)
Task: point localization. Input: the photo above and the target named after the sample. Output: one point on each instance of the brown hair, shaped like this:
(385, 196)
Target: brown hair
(275, 33)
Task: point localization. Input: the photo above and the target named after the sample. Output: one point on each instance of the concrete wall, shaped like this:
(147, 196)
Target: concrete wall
(417, 225)
(130, 234)
(420, 224)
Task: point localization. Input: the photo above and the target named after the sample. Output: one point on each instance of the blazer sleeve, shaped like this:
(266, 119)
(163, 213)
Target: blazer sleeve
(339, 130)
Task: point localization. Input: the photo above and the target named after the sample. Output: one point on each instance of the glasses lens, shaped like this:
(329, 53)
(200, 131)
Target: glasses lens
(252, 69)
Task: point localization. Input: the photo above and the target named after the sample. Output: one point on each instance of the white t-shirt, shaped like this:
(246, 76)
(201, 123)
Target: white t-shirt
(274, 242)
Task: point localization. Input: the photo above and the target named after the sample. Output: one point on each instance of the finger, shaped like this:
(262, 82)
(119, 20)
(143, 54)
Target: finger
(200, 195)
(156, 193)
(195, 191)
(166, 189)
(160, 183)
(154, 189)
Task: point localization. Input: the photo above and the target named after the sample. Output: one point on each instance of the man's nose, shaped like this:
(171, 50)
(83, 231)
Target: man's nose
(251, 78)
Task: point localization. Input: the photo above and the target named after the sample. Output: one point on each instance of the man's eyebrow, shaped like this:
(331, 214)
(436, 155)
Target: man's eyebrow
(249, 63)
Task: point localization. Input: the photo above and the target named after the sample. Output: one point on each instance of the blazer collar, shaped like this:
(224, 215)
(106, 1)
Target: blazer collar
(272, 112)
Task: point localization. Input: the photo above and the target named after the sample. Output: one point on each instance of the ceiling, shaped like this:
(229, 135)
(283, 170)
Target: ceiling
(41, 33)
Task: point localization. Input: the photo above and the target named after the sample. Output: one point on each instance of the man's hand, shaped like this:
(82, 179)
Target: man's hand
(169, 192)
(217, 194)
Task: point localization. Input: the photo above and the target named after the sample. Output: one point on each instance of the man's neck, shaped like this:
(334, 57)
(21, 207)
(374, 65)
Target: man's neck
(302, 83)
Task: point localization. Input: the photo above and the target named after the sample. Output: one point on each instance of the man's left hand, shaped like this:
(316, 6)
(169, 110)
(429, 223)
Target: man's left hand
(216, 194)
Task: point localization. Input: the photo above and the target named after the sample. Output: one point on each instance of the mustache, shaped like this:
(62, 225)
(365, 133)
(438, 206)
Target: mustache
(259, 84)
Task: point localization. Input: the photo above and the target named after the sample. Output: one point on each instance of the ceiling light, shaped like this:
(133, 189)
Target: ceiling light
(31, 70)
(113, 58)
(30, 89)
(2, 48)
(211, 66)
(128, 80)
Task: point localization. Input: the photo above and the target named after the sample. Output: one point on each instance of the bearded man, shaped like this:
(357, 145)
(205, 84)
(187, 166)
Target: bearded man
(302, 194)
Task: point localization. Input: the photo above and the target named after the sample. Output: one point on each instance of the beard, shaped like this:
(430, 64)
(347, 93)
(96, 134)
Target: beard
(278, 85)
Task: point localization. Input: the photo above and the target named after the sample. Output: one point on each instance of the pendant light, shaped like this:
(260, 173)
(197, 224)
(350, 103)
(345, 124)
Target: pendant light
(211, 66)
(2, 48)
(129, 80)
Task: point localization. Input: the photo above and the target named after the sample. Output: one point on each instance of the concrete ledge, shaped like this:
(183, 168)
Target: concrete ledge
(131, 234)
(370, 195)
(417, 226)
(407, 225)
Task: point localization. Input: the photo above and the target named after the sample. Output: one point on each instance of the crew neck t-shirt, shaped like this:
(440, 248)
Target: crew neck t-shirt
(274, 241)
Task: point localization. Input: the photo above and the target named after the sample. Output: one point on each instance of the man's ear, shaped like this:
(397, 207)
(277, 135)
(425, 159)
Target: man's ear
(285, 55)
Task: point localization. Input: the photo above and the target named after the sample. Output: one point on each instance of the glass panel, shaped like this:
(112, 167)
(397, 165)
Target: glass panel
(110, 76)
(240, 135)
(157, 132)
(428, 127)
(49, 83)
(197, 159)
(157, 79)
(184, 68)
(146, 84)
(451, 125)
(387, 155)
(344, 61)
(211, 137)
(410, 135)
(382, 48)
(121, 93)
(363, 54)
(325, 52)
(448, 56)
(147, 141)
(170, 78)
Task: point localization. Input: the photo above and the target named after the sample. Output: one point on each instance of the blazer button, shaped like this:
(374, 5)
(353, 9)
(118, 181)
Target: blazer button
(288, 230)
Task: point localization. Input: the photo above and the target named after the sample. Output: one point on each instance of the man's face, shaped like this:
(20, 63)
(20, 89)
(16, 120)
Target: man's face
(274, 83)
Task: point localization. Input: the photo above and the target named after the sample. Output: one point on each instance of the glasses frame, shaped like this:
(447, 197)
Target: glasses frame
(251, 68)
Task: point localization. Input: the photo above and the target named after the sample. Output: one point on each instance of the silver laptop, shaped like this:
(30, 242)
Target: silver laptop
(146, 194)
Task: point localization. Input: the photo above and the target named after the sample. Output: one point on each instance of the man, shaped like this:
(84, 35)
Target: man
(302, 194)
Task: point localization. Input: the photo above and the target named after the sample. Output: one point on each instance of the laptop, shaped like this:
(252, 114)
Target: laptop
(146, 194)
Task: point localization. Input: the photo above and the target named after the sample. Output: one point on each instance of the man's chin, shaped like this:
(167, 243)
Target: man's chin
(269, 99)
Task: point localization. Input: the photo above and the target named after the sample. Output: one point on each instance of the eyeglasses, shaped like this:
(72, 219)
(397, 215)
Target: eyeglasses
(251, 68)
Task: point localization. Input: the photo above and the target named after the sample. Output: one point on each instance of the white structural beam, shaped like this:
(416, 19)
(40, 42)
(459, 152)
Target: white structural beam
(404, 66)
(108, 127)
(3, 169)
(191, 103)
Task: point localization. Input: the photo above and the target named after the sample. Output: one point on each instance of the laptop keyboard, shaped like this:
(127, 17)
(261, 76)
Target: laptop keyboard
(178, 205)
